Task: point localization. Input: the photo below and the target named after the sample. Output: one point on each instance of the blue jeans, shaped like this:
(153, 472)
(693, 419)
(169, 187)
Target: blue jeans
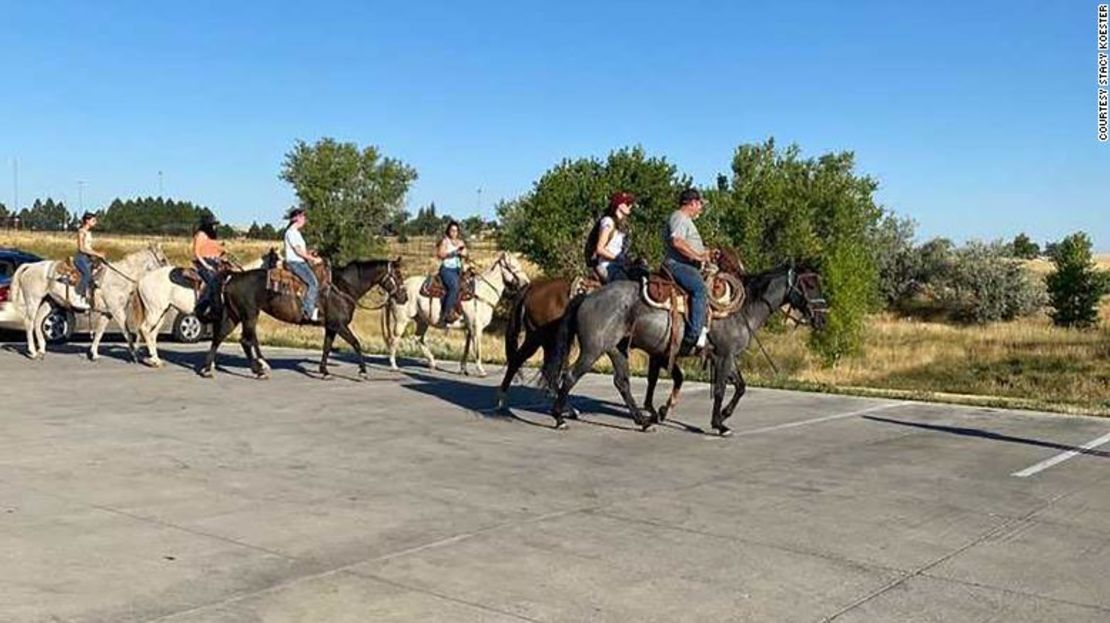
(84, 266)
(304, 271)
(690, 279)
(450, 278)
(615, 271)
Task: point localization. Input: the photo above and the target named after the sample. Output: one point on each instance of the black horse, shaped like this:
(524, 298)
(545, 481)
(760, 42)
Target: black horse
(615, 318)
(244, 295)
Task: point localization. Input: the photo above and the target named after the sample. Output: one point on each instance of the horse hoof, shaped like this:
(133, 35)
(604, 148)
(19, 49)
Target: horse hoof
(206, 374)
(724, 431)
(482, 374)
(262, 376)
(561, 425)
(647, 427)
(573, 413)
(153, 363)
(363, 374)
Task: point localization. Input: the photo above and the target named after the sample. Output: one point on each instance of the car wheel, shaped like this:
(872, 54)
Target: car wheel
(187, 329)
(57, 327)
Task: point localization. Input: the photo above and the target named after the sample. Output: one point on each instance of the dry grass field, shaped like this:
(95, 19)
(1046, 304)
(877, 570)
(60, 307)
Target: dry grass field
(1027, 363)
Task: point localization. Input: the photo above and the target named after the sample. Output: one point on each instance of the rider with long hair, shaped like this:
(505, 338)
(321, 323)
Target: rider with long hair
(85, 257)
(208, 254)
(451, 251)
(607, 244)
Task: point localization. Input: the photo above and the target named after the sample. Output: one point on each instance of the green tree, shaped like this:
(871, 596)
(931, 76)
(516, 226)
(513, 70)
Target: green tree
(1024, 247)
(779, 206)
(350, 193)
(473, 225)
(254, 232)
(269, 232)
(4, 211)
(150, 215)
(550, 224)
(45, 216)
(427, 222)
(1075, 287)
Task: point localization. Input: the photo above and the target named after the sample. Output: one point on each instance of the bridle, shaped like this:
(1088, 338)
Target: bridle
(390, 283)
(802, 285)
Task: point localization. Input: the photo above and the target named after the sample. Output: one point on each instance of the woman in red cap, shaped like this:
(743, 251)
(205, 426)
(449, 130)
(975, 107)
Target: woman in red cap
(607, 245)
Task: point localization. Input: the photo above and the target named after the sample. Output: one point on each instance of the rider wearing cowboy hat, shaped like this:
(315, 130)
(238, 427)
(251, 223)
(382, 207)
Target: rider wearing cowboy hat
(208, 256)
(299, 259)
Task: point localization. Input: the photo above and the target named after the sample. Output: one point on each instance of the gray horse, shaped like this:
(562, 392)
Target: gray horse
(615, 318)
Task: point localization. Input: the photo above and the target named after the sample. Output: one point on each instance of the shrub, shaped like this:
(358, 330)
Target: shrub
(1076, 286)
(982, 284)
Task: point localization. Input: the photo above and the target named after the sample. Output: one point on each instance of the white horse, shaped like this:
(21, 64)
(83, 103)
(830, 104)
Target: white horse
(489, 286)
(33, 284)
(154, 297)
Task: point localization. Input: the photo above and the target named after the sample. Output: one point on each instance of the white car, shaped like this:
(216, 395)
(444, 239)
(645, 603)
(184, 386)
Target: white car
(62, 323)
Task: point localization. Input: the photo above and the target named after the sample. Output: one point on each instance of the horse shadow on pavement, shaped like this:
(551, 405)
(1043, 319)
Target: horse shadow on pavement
(526, 404)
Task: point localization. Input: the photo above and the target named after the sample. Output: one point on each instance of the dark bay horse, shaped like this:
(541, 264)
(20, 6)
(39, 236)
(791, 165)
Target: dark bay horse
(615, 318)
(244, 296)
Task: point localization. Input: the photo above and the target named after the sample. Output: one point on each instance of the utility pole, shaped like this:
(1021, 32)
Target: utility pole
(479, 201)
(15, 185)
(81, 194)
(160, 193)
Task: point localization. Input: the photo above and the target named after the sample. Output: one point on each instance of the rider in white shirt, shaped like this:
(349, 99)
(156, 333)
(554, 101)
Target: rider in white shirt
(299, 260)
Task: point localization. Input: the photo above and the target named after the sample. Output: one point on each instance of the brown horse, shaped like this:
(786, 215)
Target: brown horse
(537, 312)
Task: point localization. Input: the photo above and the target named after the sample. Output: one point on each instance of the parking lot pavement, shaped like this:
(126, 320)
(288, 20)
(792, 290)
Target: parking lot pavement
(133, 494)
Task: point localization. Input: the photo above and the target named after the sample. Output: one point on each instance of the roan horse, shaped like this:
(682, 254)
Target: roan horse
(33, 283)
(615, 318)
(489, 286)
(245, 296)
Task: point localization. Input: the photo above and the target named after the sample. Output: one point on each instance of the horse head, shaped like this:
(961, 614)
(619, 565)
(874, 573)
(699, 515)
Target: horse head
(806, 294)
(157, 255)
(512, 272)
(394, 281)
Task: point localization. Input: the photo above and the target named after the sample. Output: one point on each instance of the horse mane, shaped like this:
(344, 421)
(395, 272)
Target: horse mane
(358, 266)
(757, 283)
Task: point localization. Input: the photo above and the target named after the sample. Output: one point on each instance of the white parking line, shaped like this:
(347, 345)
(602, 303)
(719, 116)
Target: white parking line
(1063, 456)
(826, 418)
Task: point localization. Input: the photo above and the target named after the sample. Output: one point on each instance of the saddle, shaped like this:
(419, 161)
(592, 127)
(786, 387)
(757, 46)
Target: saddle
(67, 272)
(584, 285)
(433, 287)
(284, 281)
(661, 291)
(726, 293)
(187, 278)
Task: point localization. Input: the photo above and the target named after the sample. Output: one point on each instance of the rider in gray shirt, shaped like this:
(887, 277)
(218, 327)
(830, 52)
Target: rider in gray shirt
(685, 255)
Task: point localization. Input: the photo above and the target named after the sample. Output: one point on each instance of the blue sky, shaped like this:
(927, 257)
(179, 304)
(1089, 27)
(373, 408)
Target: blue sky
(978, 119)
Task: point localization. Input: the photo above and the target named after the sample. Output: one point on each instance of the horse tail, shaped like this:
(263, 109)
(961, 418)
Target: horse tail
(16, 289)
(568, 327)
(136, 310)
(514, 326)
